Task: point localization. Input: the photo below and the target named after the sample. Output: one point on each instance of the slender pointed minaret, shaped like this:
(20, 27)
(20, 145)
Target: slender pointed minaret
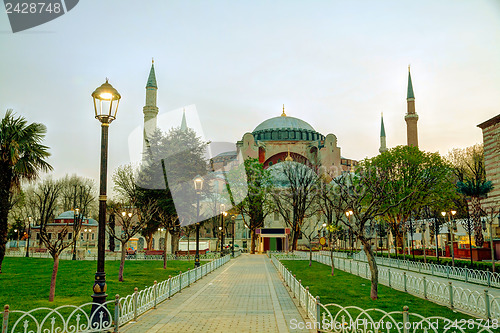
(150, 110)
(184, 126)
(411, 116)
(383, 144)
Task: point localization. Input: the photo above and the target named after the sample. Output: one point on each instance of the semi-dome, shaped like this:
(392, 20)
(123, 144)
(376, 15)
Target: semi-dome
(286, 128)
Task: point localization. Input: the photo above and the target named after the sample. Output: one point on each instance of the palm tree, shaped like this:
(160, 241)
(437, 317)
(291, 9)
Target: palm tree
(476, 190)
(22, 157)
(472, 184)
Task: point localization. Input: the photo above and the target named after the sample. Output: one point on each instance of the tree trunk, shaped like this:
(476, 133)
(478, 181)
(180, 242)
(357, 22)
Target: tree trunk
(5, 178)
(476, 217)
(149, 242)
(174, 241)
(331, 257)
(310, 254)
(252, 242)
(165, 252)
(373, 269)
(52, 292)
(122, 262)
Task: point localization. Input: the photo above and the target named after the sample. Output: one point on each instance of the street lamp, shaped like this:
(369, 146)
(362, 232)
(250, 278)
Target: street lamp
(76, 217)
(422, 235)
(17, 242)
(29, 236)
(233, 219)
(224, 214)
(349, 214)
(106, 100)
(87, 233)
(198, 186)
(450, 232)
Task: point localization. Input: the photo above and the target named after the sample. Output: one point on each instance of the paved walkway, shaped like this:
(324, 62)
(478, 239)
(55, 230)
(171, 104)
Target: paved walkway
(245, 295)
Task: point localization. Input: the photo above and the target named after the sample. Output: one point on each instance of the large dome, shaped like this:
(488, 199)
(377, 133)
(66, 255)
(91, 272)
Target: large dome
(283, 122)
(286, 128)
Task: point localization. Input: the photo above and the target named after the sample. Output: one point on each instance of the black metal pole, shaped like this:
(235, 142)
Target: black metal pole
(411, 233)
(100, 287)
(222, 236)
(436, 232)
(75, 221)
(197, 255)
(28, 240)
(232, 245)
(469, 231)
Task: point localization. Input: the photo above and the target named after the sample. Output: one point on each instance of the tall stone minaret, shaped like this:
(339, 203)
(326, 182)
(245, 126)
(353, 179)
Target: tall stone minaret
(383, 144)
(150, 110)
(184, 126)
(411, 117)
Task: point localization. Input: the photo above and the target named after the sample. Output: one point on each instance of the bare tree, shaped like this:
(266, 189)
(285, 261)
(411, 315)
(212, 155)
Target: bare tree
(130, 220)
(45, 198)
(294, 195)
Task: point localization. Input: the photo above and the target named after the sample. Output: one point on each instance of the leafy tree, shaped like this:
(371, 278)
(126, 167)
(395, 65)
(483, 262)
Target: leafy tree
(422, 178)
(22, 157)
(172, 161)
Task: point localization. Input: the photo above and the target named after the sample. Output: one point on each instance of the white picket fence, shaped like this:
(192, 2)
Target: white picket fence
(337, 318)
(482, 305)
(476, 276)
(80, 319)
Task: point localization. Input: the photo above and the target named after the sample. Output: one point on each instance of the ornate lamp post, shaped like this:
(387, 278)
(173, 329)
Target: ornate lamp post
(76, 217)
(29, 236)
(349, 214)
(17, 242)
(198, 186)
(223, 214)
(450, 232)
(233, 219)
(106, 100)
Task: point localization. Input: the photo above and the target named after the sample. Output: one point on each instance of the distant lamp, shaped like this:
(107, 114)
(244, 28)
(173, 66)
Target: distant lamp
(443, 213)
(453, 212)
(198, 184)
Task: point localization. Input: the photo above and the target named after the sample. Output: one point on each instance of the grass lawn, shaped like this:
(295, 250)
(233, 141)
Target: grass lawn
(25, 282)
(349, 290)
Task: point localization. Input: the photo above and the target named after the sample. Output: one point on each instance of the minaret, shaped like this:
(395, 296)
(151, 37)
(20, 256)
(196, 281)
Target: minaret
(383, 144)
(184, 126)
(411, 117)
(150, 110)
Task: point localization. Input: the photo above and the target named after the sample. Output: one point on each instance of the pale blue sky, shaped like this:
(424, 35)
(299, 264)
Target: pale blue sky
(335, 64)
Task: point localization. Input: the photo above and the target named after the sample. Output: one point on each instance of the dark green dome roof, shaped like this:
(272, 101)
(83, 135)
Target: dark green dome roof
(286, 128)
(284, 122)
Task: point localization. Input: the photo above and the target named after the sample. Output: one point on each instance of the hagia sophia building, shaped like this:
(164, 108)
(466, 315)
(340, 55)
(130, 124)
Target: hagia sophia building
(281, 138)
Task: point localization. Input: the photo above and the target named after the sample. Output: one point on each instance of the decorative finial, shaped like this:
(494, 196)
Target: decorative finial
(107, 80)
(289, 158)
(283, 114)
(382, 114)
(408, 67)
(152, 60)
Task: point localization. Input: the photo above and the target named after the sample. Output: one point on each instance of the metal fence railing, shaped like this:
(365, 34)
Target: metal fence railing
(476, 276)
(480, 304)
(333, 317)
(71, 318)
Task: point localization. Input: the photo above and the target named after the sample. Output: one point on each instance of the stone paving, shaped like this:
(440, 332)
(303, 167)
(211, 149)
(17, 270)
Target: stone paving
(245, 295)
